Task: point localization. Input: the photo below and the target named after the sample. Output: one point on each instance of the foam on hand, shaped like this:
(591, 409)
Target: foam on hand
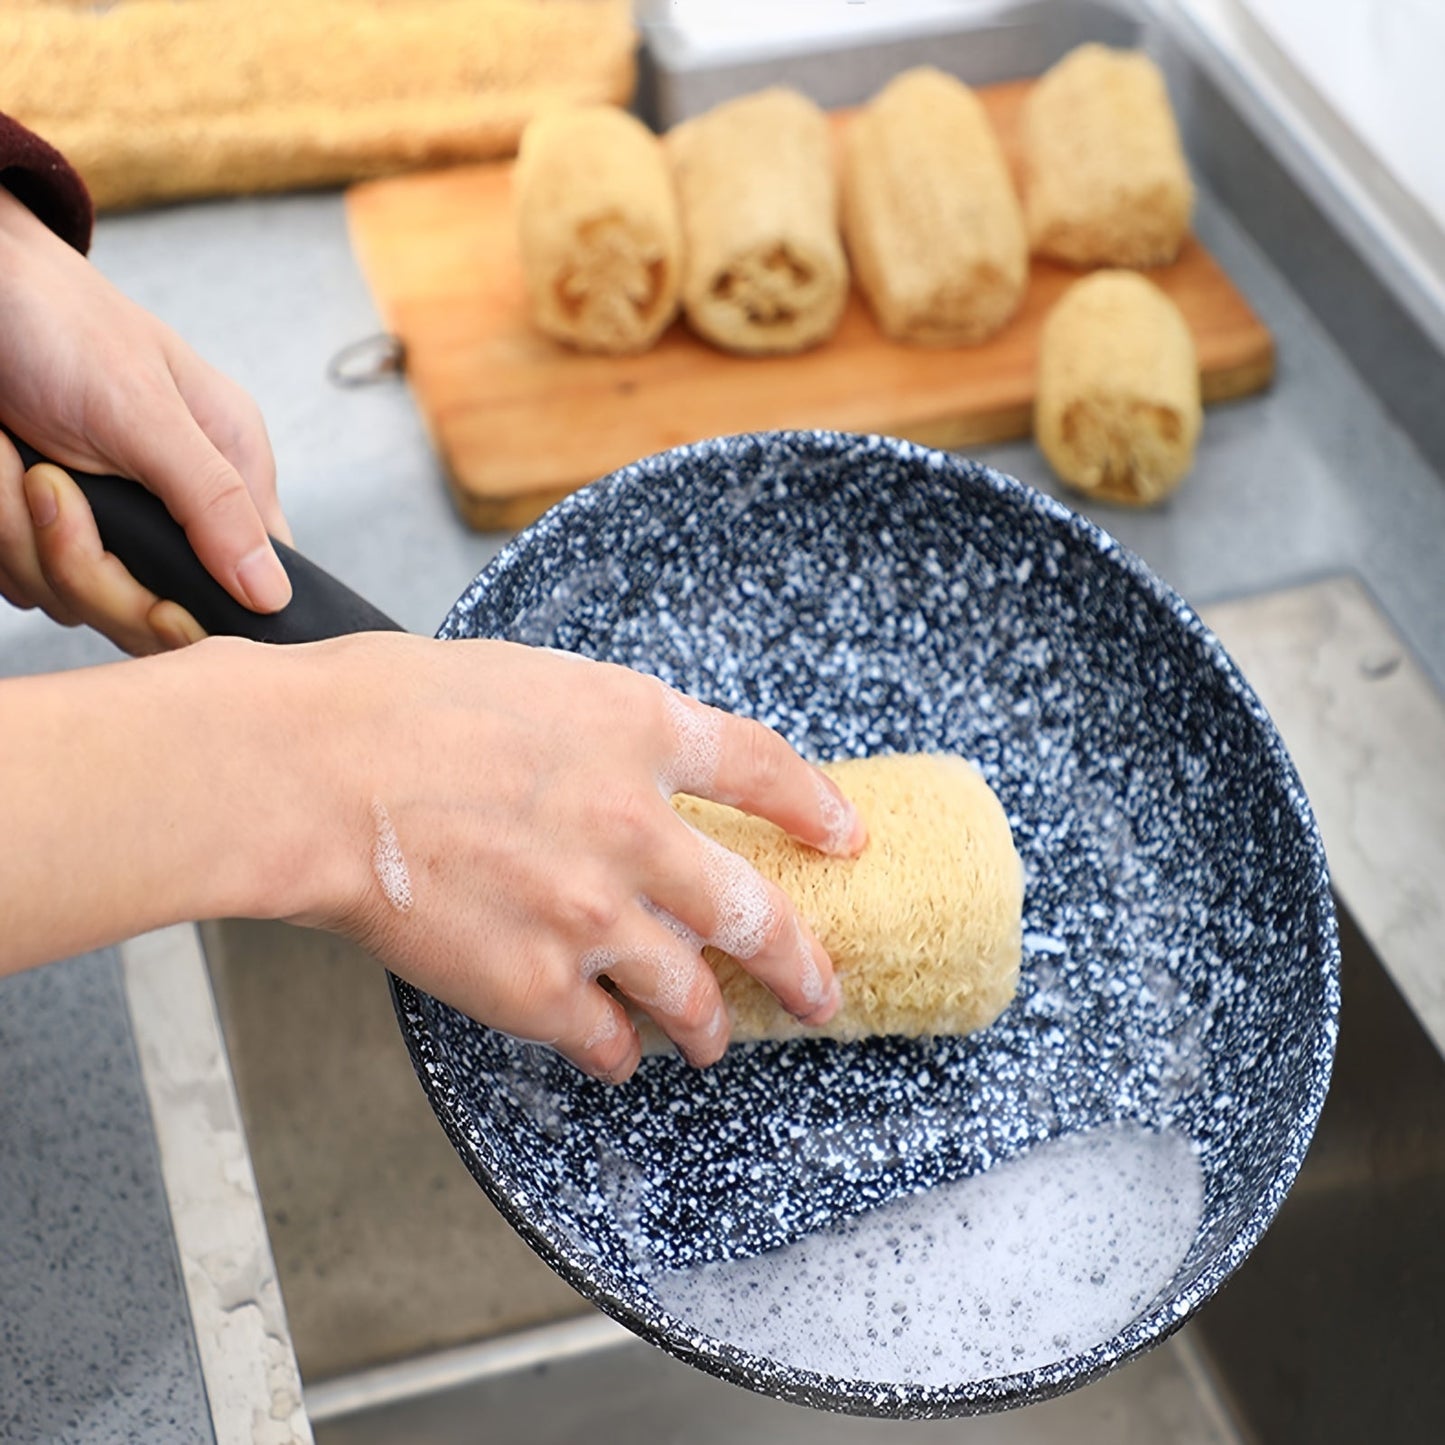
(838, 818)
(744, 912)
(673, 973)
(606, 1026)
(1026, 1264)
(387, 862)
(697, 735)
(810, 980)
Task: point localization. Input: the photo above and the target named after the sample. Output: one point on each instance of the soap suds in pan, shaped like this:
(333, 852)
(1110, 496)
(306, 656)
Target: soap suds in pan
(1036, 1259)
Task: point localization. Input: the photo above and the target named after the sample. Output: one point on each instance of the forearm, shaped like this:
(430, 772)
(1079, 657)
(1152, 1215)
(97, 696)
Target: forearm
(189, 785)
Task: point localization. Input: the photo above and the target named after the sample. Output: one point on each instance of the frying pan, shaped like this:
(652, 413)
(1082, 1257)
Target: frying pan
(865, 595)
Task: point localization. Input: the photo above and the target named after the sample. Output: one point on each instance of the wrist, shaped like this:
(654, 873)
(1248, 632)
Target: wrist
(295, 824)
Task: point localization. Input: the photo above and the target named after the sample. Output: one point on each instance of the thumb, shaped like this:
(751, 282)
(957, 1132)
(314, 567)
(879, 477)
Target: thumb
(177, 461)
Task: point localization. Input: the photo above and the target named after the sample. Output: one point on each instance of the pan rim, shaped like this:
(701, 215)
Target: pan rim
(894, 1399)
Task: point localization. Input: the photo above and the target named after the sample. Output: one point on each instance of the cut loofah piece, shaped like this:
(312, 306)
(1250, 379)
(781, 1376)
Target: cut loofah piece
(152, 100)
(765, 270)
(1106, 182)
(933, 227)
(1118, 409)
(598, 229)
(924, 928)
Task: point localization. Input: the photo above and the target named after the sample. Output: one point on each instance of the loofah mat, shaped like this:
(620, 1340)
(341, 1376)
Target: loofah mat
(154, 100)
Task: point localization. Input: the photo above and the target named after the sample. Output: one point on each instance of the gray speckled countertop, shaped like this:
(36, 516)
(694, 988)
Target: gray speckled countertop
(95, 1336)
(1311, 479)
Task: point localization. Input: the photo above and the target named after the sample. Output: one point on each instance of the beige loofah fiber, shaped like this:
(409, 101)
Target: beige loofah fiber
(1106, 181)
(597, 228)
(765, 271)
(924, 928)
(1118, 408)
(933, 227)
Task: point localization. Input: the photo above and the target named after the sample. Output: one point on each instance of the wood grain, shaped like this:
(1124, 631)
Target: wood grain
(519, 420)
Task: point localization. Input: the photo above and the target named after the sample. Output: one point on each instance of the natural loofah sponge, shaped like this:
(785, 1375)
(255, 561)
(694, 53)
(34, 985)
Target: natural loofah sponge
(154, 99)
(1118, 411)
(924, 928)
(934, 230)
(765, 271)
(598, 230)
(1106, 182)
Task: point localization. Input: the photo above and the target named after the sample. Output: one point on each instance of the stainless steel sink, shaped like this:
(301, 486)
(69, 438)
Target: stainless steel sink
(385, 1247)
(389, 1254)
(1334, 1330)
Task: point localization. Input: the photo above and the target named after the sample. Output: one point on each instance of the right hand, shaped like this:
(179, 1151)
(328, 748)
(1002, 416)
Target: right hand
(511, 842)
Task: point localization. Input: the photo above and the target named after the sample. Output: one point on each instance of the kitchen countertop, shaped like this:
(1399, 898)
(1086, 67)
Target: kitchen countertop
(95, 1335)
(1310, 480)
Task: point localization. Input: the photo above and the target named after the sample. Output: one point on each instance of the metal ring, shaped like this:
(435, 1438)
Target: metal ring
(368, 361)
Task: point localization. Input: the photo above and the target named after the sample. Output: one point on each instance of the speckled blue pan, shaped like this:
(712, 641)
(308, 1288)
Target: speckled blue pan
(865, 595)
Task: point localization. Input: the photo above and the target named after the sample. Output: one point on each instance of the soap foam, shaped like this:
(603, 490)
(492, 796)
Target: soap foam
(673, 974)
(672, 923)
(1028, 1263)
(672, 968)
(838, 818)
(606, 1027)
(387, 862)
(596, 961)
(697, 748)
(810, 980)
(744, 912)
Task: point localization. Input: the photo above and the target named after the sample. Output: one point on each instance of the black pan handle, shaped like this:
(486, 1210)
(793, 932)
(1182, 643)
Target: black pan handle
(135, 525)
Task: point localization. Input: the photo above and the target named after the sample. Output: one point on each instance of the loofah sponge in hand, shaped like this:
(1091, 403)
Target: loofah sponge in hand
(924, 928)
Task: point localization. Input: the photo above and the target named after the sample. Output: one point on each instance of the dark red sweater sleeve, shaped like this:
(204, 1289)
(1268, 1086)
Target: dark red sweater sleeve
(39, 177)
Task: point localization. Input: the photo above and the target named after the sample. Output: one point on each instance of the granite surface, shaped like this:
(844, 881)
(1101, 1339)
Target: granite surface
(95, 1335)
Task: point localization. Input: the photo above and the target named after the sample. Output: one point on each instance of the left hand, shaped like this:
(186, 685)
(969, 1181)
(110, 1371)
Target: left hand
(97, 383)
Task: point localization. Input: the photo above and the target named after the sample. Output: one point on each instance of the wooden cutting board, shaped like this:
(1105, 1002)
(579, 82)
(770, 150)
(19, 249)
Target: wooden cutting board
(519, 420)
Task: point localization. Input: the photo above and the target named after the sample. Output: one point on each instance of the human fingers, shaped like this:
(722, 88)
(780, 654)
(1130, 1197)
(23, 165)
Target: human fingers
(738, 761)
(206, 494)
(55, 559)
(710, 894)
(601, 1040)
(90, 584)
(661, 969)
(173, 626)
(22, 583)
(229, 416)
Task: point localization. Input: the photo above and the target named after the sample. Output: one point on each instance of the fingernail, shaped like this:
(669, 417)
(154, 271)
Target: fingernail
(846, 832)
(814, 962)
(263, 579)
(173, 626)
(829, 1008)
(857, 828)
(40, 498)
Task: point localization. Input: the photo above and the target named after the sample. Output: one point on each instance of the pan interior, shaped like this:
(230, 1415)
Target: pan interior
(862, 595)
